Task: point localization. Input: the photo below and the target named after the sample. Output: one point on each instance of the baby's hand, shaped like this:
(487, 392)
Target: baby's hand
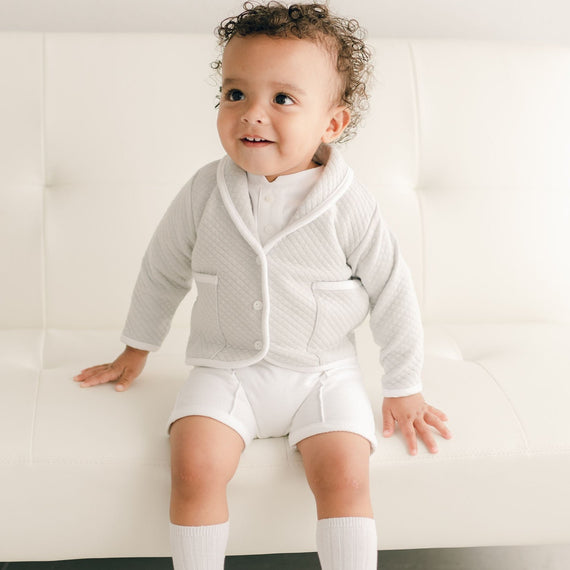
(123, 370)
(413, 415)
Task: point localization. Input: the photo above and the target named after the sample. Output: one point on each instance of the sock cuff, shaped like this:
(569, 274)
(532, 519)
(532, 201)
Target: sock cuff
(347, 522)
(202, 531)
(347, 543)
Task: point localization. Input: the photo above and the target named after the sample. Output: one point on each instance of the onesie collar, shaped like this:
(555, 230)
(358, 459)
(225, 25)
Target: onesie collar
(233, 186)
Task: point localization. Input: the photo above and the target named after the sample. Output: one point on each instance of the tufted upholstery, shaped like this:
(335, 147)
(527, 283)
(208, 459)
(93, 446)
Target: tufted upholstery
(467, 147)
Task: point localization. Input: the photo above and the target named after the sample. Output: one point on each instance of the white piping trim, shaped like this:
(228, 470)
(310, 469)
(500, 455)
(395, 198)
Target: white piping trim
(256, 246)
(139, 344)
(314, 214)
(231, 208)
(346, 285)
(351, 361)
(238, 388)
(205, 278)
(321, 399)
(210, 362)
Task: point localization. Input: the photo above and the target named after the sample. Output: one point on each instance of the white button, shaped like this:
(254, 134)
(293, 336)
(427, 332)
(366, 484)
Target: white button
(268, 229)
(267, 198)
(258, 345)
(258, 305)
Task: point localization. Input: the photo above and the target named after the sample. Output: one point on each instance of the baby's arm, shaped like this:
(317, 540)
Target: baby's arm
(162, 283)
(395, 318)
(165, 276)
(395, 321)
(123, 370)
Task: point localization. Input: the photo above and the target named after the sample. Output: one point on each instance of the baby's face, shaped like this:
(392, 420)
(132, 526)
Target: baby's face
(278, 103)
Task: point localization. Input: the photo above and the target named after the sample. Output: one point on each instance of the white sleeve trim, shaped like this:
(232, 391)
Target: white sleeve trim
(401, 392)
(138, 344)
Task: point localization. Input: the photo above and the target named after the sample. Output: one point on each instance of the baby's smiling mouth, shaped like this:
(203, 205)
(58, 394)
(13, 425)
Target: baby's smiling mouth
(255, 141)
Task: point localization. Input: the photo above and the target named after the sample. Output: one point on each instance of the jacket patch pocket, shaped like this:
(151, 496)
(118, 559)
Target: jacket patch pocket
(341, 307)
(205, 329)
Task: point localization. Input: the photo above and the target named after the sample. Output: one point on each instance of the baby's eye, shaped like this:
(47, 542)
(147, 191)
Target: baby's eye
(282, 99)
(234, 95)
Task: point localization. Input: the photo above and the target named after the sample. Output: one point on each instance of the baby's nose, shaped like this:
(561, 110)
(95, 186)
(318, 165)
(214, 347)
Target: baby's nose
(254, 113)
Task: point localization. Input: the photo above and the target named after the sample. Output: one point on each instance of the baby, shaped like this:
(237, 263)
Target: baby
(289, 254)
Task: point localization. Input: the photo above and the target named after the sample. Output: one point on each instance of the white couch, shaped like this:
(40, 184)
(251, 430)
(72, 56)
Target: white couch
(467, 147)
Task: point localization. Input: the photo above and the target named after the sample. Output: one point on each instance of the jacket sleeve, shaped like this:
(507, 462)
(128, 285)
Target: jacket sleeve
(395, 317)
(165, 276)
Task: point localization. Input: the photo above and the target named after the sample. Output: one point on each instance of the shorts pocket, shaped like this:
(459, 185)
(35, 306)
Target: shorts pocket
(341, 307)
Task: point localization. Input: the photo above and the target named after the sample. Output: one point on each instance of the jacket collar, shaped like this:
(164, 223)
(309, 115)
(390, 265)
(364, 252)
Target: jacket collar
(336, 178)
(232, 184)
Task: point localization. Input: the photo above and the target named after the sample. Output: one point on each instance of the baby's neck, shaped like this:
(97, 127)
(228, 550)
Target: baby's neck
(312, 165)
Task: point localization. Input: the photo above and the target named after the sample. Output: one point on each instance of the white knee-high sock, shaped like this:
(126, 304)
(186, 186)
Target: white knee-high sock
(199, 547)
(347, 543)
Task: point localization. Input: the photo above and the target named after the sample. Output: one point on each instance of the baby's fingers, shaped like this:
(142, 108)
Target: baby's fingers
(125, 380)
(388, 423)
(409, 432)
(87, 372)
(437, 423)
(441, 415)
(426, 436)
(100, 375)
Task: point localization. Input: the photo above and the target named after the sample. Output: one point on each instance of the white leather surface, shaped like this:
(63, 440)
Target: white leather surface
(22, 178)
(99, 460)
(20, 363)
(466, 147)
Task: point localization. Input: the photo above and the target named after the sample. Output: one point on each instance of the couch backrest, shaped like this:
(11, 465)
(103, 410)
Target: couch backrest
(467, 147)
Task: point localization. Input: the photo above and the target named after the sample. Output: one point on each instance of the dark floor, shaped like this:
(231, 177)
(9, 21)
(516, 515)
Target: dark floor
(555, 557)
(273, 562)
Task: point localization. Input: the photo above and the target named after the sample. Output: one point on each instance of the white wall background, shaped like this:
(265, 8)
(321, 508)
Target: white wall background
(543, 21)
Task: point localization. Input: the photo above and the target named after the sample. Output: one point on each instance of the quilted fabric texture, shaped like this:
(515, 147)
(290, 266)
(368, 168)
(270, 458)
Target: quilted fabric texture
(294, 301)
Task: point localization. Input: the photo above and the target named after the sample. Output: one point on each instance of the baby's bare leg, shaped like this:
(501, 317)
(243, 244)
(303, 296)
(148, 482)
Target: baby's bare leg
(204, 457)
(337, 468)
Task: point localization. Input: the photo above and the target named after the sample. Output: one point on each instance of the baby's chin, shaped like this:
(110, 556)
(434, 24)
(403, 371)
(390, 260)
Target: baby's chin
(270, 169)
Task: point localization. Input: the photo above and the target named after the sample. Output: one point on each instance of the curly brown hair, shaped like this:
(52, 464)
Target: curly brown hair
(342, 37)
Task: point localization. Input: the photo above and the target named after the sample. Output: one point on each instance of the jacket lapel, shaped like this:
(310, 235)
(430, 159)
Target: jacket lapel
(336, 179)
(232, 184)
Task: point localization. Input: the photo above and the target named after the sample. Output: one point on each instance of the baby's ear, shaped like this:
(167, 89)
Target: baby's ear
(339, 121)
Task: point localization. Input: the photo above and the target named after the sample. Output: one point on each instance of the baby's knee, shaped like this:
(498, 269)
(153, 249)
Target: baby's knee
(204, 454)
(200, 472)
(339, 481)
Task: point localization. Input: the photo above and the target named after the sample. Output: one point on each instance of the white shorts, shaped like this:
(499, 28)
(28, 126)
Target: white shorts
(264, 400)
